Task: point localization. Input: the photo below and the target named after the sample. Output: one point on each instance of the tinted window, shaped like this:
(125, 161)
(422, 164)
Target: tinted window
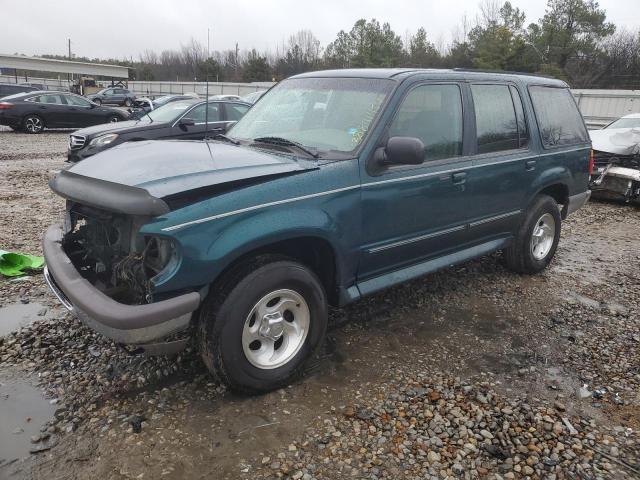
(52, 99)
(432, 113)
(496, 125)
(523, 131)
(235, 112)
(77, 101)
(198, 113)
(559, 120)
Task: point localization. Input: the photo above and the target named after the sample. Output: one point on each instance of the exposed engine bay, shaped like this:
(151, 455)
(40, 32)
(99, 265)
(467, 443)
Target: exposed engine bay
(108, 251)
(616, 172)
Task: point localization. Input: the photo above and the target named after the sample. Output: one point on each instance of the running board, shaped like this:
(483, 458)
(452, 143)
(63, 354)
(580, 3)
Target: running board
(387, 280)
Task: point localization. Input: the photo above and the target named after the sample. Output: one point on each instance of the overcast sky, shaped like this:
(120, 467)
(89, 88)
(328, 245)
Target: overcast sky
(125, 29)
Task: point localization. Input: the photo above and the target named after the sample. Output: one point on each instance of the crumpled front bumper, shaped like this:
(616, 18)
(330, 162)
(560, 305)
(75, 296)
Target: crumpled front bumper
(128, 324)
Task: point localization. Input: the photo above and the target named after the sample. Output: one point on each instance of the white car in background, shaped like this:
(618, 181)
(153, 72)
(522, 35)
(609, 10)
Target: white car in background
(616, 148)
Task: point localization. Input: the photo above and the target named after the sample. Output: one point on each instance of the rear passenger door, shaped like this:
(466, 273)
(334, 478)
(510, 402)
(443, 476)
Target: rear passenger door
(503, 165)
(52, 108)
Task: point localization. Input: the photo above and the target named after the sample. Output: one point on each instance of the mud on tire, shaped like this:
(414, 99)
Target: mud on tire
(228, 315)
(528, 253)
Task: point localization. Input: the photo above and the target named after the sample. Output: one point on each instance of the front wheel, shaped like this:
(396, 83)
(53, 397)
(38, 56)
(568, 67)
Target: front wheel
(97, 101)
(263, 321)
(113, 119)
(537, 239)
(127, 102)
(33, 124)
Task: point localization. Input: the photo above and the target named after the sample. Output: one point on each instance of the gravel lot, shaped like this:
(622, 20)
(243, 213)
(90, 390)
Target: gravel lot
(473, 372)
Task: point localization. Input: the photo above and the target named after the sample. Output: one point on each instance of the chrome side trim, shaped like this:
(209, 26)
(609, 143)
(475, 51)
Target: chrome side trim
(416, 239)
(258, 207)
(493, 219)
(364, 185)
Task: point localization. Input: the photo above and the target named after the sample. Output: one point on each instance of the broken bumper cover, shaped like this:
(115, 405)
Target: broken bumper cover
(578, 201)
(128, 324)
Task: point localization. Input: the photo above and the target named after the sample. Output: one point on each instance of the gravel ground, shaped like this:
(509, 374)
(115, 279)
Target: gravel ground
(472, 372)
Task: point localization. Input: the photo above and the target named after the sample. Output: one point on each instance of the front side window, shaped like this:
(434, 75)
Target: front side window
(77, 101)
(327, 114)
(235, 111)
(559, 119)
(496, 122)
(432, 113)
(198, 114)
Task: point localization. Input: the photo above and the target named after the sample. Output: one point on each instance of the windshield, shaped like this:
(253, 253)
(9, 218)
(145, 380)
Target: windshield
(625, 123)
(168, 113)
(322, 113)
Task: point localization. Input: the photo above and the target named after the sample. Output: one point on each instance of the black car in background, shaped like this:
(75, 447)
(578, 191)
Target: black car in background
(32, 112)
(141, 106)
(7, 89)
(180, 120)
(113, 96)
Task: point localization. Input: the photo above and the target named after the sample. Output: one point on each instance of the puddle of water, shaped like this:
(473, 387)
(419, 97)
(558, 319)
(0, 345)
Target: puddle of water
(17, 315)
(23, 410)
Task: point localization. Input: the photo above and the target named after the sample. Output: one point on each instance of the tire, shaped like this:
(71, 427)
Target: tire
(127, 102)
(235, 342)
(537, 238)
(97, 101)
(32, 124)
(113, 119)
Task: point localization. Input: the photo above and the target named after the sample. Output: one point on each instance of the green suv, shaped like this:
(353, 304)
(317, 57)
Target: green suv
(334, 186)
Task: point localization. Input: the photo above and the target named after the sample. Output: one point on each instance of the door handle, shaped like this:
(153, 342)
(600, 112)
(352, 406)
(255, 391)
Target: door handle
(530, 165)
(459, 178)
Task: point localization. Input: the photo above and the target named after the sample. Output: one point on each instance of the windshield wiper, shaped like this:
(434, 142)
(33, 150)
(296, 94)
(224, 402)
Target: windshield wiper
(286, 143)
(228, 139)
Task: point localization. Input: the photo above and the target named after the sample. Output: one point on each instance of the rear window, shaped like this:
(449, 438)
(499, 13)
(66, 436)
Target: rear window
(559, 120)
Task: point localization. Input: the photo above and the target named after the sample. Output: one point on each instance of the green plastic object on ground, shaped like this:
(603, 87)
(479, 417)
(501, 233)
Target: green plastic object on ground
(16, 264)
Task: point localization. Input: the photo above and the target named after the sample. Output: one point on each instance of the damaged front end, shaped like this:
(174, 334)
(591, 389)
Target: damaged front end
(105, 270)
(616, 169)
(108, 251)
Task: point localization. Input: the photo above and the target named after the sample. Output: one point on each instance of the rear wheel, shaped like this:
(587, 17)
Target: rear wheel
(127, 102)
(113, 119)
(261, 323)
(32, 124)
(537, 238)
(97, 101)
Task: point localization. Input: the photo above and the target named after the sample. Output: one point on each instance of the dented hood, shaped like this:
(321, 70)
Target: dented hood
(619, 141)
(164, 168)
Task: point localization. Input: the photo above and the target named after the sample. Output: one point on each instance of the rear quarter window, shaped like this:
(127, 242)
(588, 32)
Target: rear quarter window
(559, 120)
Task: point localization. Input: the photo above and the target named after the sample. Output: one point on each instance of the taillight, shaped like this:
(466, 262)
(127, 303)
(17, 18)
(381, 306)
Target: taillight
(591, 162)
(5, 105)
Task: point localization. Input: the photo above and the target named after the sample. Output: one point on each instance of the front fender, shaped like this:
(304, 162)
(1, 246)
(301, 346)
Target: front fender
(206, 254)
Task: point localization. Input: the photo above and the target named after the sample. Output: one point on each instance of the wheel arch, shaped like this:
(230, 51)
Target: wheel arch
(311, 249)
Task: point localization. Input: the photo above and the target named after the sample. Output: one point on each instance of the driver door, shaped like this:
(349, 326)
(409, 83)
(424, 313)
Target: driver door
(414, 213)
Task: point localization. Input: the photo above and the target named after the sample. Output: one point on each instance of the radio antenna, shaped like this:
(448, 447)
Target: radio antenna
(206, 105)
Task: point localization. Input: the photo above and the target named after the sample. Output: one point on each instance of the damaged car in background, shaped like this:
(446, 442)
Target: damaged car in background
(616, 158)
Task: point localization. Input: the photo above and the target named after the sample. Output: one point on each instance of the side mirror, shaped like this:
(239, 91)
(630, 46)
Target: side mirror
(401, 151)
(228, 125)
(187, 122)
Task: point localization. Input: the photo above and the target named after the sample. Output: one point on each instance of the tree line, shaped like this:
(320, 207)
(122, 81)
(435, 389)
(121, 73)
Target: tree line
(572, 41)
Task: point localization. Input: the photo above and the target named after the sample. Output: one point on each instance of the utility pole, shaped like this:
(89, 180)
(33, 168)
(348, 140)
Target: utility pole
(69, 76)
(206, 106)
(236, 61)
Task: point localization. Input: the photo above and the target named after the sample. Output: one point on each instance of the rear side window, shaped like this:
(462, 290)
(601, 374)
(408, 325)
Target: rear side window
(496, 119)
(559, 120)
(432, 113)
